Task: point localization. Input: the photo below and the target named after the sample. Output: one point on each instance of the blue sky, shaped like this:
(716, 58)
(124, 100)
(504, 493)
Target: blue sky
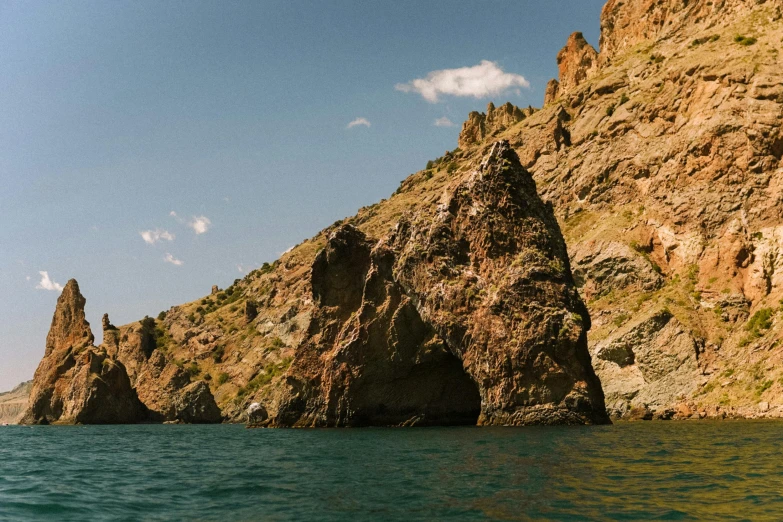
(235, 117)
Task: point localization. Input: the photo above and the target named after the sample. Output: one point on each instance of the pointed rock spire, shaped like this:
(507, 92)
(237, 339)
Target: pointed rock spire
(70, 328)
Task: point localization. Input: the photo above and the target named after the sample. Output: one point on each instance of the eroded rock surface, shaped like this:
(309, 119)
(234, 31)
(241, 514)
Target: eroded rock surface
(480, 126)
(577, 62)
(465, 314)
(79, 383)
(76, 382)
(663, 164)
(14, 403)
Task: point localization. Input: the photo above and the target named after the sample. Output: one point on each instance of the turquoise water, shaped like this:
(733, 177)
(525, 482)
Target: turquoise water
(631, 471)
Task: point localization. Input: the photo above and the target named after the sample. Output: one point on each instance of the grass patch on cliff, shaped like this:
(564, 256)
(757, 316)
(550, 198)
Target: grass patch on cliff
(264, 377)
(745, 40)
(757, 326)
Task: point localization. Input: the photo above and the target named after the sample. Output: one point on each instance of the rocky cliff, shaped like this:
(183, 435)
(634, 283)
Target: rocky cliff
(452, 302)
(79, 383)
(14, 403)
(465, 312)
(663, 163)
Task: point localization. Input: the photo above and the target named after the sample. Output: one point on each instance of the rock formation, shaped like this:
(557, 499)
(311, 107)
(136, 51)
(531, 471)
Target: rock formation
(14, 403)
(479, 126)
(668, 193)
(458, 309)
(577, 62)
(77, 382)
(453, 301)
(466, 313)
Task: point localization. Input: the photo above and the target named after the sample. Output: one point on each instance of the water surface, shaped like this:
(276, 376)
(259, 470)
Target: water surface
(630, 471)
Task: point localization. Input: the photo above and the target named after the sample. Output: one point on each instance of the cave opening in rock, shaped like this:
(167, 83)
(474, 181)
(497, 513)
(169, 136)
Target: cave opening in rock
(434, 393)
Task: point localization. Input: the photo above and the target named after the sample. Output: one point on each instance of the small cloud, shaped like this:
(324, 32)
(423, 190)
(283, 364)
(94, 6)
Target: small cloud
(168, 258)
(47, 284)
(153, 236)
(173, 214)
(479, 81)
(28, 278)
(443, 122)
(226, 199)
(200, 224)
(357, 122)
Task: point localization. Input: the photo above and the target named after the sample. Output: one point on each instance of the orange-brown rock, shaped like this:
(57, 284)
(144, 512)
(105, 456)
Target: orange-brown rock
(480, 126)
(625, 24)
(76, 382)
(668, 191)
(577, 62)
(552, 91)
(465, 314)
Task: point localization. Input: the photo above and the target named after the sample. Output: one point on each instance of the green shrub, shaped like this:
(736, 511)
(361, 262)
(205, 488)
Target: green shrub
(222, 378)
(620, 319)
(148, 323)
(657, 58)
(761, 320)
(162, 316)
(610, 110)
(764, 386)
(624, 99)
(193, 369)
(704, 40)
(430, 165)
(745, 40)
(218, 353)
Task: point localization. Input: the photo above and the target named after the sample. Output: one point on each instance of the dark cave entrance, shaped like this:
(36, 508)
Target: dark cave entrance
(436, 393)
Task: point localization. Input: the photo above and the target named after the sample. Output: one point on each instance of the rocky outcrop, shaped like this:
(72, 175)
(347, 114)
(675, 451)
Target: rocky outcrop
(668, 189)
(464, 315)
(75, 381)
(552, 91)
(651, 364)
(79, 383)
(601, 267)
(625, 24)
(577, 62)
(479, 126)
(14, 403)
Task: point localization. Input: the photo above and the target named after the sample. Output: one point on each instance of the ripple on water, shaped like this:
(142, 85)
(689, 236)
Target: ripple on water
(654, 471)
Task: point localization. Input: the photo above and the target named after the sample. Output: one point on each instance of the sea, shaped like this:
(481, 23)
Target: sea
(692, 470)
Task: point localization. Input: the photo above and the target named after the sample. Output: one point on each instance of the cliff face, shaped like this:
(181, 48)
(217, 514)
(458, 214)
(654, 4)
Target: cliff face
(14, 403)
(465, 313)
(451, 303)
(668, 190)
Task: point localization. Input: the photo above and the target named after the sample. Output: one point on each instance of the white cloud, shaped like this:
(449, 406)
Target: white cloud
(173, 260)
(47, 284)
(200, 224)
(28, 278)
(359, 121)
(443, 122)
(153, 236)
(480, 81)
